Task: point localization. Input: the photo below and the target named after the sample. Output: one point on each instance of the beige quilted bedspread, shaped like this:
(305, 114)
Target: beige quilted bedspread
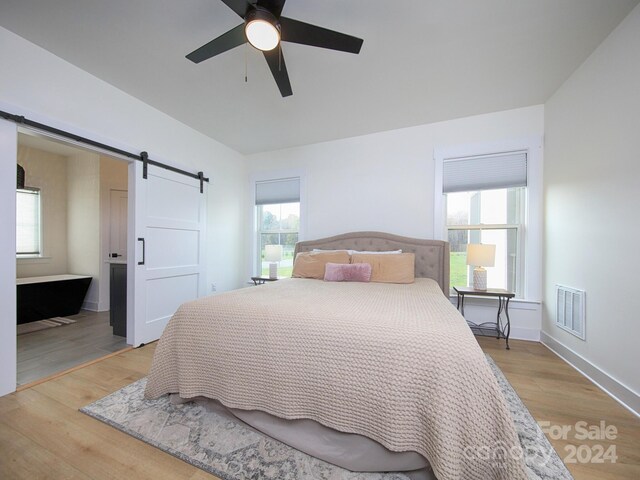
(396, 363)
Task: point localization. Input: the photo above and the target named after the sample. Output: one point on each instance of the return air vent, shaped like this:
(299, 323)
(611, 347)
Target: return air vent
(570, 310)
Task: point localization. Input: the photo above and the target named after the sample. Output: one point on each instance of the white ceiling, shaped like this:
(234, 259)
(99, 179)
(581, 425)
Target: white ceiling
(422, 60)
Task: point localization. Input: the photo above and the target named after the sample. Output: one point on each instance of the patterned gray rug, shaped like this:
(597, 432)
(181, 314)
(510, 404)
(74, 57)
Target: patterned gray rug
(232, 450)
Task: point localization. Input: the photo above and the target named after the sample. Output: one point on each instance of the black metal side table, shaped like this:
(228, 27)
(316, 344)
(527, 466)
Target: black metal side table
(262, 280)
(489, 328)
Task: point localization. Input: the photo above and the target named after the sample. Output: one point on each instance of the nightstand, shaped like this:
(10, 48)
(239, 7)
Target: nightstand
(489, 328)
(263, 280)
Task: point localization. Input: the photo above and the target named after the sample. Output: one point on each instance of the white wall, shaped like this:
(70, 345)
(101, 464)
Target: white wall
(48, 172)
(8, 153)
(45, 88)
(83, 222)
(385, 182)
(592, 196)
(38, 84)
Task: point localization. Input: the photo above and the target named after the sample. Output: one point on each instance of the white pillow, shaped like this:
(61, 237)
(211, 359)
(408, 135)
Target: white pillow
(386, 252)
(339, 250)
(352, 252)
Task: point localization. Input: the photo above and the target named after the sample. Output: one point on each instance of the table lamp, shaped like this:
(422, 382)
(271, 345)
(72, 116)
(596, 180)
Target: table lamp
(480, 255)
(273, 254)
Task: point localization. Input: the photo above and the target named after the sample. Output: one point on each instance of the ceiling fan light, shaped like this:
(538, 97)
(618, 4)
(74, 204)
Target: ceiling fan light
(262, 30)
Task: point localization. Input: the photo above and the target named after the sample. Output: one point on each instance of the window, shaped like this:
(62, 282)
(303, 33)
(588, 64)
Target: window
(490, 217)
(278, 221)
(28, 223)
(485, 202)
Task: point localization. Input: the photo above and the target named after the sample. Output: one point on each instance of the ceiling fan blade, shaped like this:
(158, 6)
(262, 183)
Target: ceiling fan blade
(275, 59)
(274, 6)
(238, 6)
(224, 42)
(299, 32)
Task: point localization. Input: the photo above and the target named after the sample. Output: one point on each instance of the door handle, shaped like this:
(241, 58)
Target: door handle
(115, 255)
(143, 249)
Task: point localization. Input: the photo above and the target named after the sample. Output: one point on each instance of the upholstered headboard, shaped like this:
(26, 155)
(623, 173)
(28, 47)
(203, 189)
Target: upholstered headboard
(432, 256)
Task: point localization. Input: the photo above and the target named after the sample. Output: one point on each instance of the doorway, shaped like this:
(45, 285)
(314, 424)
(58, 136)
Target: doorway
(118, 201)
(80, 219)
(165, 236)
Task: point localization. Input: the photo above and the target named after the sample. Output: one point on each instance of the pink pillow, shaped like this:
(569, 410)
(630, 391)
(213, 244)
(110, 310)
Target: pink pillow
(341, 272)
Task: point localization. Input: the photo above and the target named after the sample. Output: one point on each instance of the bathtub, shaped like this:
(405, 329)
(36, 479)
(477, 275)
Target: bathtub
(50, 296)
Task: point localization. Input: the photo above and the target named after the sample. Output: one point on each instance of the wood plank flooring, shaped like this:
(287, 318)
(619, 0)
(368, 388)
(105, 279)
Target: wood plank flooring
(45, 352)
(555, 392)
(42, 434)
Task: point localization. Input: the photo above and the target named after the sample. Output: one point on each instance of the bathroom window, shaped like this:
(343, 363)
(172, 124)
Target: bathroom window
(28, 223)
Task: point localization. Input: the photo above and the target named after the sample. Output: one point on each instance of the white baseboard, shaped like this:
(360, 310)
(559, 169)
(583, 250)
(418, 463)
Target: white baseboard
(612, 387)
(103, 307)
(91, 306)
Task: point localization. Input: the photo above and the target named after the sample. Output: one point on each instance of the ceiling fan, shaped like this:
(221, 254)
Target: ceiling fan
(265, 28)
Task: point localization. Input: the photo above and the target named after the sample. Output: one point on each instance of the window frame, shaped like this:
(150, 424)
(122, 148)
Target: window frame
(258, 232)
(519, 228)
(532, 238)
(40, 253)
(265, 176)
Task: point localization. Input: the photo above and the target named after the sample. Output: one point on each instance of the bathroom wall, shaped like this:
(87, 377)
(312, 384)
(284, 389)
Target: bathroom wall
(48, 172)
(83, 221)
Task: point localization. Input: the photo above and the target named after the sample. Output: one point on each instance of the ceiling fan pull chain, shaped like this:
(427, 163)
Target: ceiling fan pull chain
(279, 57)
(246, 50)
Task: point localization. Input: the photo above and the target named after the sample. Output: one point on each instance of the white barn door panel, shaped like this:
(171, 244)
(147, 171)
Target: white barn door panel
(168, 242)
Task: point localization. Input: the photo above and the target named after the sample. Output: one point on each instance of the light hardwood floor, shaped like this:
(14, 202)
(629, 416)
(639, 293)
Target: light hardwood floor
(555, 392)
(42, 434)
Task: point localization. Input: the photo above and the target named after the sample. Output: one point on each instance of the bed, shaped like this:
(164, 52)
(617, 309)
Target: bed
(394, 365)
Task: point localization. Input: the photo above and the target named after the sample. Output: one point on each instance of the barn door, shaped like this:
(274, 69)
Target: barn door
(168, 242)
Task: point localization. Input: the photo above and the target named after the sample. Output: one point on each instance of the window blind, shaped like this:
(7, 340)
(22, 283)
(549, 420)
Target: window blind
(284, 190)
(28, 222)
(487, 172)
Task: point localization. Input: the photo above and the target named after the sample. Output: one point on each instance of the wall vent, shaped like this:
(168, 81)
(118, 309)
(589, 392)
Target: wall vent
(570, 310)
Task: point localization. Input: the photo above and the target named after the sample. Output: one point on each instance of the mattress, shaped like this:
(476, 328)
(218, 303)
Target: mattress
(394, 363)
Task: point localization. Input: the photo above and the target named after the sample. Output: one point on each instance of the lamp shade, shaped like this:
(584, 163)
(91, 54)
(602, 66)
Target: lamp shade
(481, 255)
(273, 253)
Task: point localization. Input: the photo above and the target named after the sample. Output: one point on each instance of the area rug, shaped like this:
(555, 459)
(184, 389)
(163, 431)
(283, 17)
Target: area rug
(232, 450)
(43, 324)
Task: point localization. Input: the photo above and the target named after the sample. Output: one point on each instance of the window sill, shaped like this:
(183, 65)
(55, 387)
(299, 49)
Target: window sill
(31, 260)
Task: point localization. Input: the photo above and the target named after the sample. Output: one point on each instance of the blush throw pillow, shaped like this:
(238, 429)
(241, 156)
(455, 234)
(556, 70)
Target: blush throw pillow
(312, 264)
(398, 268)
(340, 272)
